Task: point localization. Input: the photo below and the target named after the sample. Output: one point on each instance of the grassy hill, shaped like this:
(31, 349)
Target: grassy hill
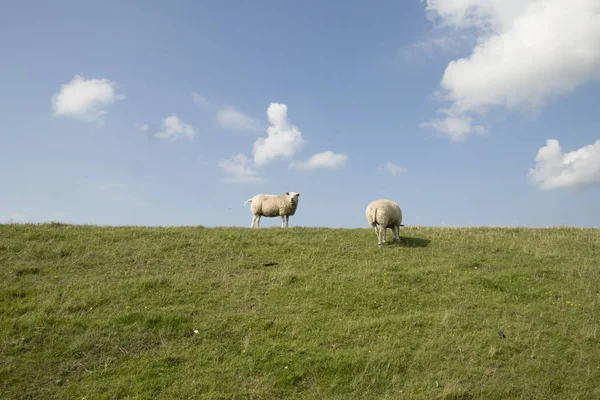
(299, 313)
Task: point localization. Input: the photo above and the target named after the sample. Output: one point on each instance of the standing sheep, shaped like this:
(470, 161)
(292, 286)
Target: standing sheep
(386, 214)
(270, 205)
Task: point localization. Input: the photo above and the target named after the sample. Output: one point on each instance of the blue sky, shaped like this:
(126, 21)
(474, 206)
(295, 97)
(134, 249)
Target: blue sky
(464, 112)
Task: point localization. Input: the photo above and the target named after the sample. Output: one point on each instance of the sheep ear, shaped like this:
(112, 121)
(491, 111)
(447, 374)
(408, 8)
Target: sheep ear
(298, 194)
(288, 193)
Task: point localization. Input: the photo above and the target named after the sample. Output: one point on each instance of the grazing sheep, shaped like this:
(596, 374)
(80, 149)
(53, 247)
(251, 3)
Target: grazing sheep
(270, 205)
(386, 214)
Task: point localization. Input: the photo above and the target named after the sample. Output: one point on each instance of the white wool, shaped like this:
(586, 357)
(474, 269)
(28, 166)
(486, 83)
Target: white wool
(269, 205)
(385, 214)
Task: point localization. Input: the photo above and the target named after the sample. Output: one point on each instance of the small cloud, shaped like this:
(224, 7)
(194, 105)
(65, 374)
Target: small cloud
(231, 118)
(431, 48)
(327, 159)
(227, 117)
(392, 169)
(85, 98)
(173, 129)
(201, 101)
(283, 139)
(241, 168)
(555, 169)
(456, 128)
(443, 43)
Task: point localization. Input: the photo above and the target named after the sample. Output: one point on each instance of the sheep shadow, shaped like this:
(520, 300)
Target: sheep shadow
(413, 242)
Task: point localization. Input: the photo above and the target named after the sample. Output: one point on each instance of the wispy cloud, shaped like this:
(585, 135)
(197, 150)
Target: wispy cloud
(392, 168)
(201, 101)
(433, 48)
(142, 127)
(455, 127)
(326, 159)
(240, 169)
(227, 117)
(231, 118)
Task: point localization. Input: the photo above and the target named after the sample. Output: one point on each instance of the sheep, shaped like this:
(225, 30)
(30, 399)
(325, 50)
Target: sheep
(386, 214)
(269, 205)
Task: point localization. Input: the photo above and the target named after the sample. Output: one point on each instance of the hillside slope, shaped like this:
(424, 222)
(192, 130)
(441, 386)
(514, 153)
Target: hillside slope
(220, 313)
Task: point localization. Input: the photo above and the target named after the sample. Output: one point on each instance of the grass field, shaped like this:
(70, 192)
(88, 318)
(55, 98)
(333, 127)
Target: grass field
(299, 313)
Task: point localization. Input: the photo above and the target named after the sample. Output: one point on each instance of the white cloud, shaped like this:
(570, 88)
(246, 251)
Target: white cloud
(392, 168)
(527, 53)
(85, 98)
(455, 128)
(173, 128)
(240, 167)
(233, 119)
(327, 159)
(283, 139)
(576, 169)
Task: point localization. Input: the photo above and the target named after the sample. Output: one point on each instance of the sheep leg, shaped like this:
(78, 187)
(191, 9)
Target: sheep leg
(282, 220)
(397, 233)
(384, 234)
(258, 221)
(287, 220)
(253, 219)
(376, 230)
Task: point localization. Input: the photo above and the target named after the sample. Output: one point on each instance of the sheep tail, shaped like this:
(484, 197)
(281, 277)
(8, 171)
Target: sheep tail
(374, 216)
(249, 200)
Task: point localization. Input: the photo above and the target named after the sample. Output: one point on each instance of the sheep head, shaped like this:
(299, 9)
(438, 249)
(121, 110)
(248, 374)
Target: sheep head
(292, 197)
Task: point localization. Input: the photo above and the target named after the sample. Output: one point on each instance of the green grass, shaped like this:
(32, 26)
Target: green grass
(299, 313)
